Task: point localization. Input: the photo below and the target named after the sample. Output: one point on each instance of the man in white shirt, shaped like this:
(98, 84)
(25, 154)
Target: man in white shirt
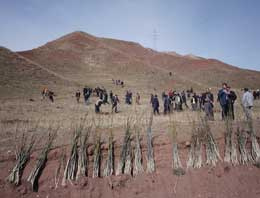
(248, 102)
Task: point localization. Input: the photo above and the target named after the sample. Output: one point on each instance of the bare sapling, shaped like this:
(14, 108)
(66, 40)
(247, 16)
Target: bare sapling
(150, 154)
(129, 159)
(72, 162)
(176, 162)
(212, 151)
(230, 155)
(61, 164)
(138, 166)
(41, 162)
(195, 154)
(97, 155)
(109, 167)
(82, 170)
(22, 153)
(125, 149)
(245, 156)
(255, 146)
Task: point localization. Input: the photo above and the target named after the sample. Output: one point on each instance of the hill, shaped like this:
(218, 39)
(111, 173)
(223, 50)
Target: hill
(82, 59)
(21, 77)
(87, 59)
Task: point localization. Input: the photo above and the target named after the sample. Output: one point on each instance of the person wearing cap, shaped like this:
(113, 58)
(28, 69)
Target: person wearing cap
(248, 102)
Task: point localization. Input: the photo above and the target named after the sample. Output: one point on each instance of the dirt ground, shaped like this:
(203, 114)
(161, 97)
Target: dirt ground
(222, 181)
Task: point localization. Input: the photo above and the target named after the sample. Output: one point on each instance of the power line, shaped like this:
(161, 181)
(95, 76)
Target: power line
(155, 38)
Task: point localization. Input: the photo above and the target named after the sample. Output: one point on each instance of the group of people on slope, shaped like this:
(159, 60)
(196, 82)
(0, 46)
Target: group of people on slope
(204, 102)
(129, 98)
(47, 94)
(173, 100)
(103, 99)
(227, 98)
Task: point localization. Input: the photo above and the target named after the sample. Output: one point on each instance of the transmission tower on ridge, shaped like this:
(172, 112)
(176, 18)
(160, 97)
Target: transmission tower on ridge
(155, 38)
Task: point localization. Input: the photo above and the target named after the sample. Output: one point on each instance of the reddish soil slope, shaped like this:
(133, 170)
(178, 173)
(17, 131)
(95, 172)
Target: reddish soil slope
(20, 75)
(79, 54)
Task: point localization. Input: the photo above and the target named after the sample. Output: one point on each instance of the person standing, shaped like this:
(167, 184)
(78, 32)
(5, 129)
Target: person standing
(223, 100)
(105, 97)
(98, 104)
(137, 98)
(51, 96)
(184, 99)
(77, 96)
(44, 93)
(178, 102)
(166, 105)
(115, 102)
(163, 95)
(194, 102)
(151, 99)
(156, 105)
(248, 102)
(208, 107)
(86, 94)
(231, 100)
(111, 96)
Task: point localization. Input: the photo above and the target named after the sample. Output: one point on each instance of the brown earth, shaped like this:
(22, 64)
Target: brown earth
(223, 180)
(86, 58)
(80, 59)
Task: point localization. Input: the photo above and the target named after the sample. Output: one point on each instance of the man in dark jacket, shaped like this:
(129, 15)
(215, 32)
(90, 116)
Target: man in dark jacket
(115, 101)
(156, 105)
(208, 107)
(231, 100)
(111, 96)
(194, 102)
(184, 99)
(77, 96)
(166, 104)
(223, 100)
(98, 104)
(105, 97)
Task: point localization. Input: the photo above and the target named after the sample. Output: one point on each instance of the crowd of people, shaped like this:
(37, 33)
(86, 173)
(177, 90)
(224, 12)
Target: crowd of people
(172, 100)
(226, 97)
(177, 101)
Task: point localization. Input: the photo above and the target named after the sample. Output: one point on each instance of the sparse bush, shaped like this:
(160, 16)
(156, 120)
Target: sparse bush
(97, 155)
(212, 152)
(138, 167)
(195, 154)
(22, 153)
(125, 150)
(109, 168)
(72, 162)
(176, 162)
(230, 145)
(150, 154)
(41, 162)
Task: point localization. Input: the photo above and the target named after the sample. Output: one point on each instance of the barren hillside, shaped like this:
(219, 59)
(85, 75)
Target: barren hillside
(20, 76)
(86, 58)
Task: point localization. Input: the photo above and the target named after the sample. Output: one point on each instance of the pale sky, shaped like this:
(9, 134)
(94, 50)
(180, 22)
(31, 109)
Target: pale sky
(227, 30)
